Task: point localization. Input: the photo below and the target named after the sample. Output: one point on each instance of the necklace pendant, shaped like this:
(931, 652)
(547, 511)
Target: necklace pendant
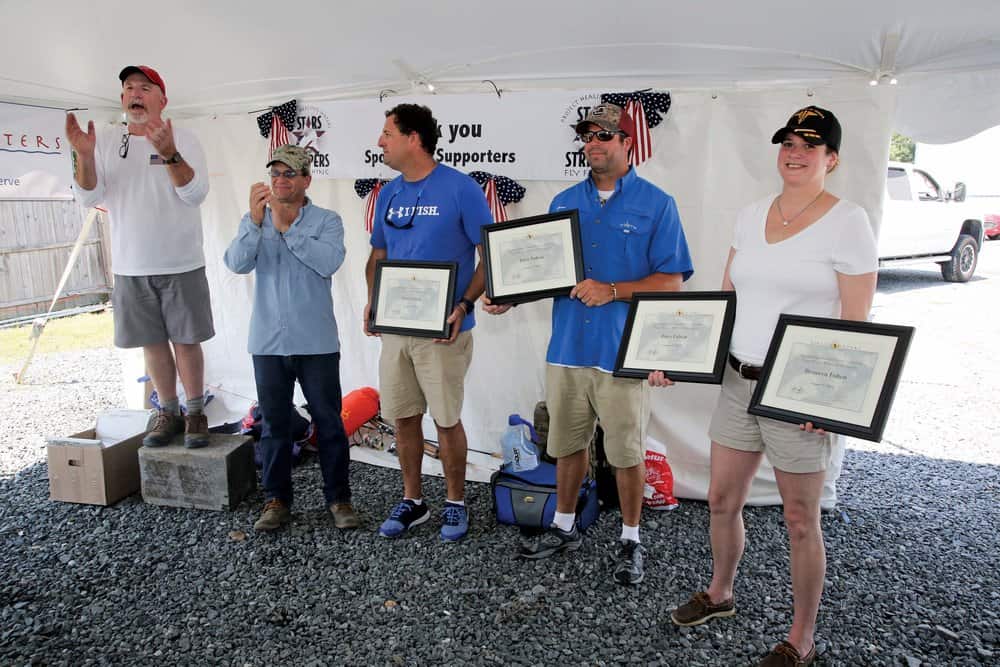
(784, 223)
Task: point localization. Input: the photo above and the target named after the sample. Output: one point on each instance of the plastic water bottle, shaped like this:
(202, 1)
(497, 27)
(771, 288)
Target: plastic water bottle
(517, 445)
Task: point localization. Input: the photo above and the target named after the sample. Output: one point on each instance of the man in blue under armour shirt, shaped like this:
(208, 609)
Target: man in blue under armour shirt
(430, 212)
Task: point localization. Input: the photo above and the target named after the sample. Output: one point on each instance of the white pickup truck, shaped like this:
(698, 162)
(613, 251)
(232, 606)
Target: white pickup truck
(922, 222)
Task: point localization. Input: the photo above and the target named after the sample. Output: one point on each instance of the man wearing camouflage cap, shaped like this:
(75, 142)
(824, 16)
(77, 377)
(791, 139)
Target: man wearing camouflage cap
(294, 247)
(632, 241)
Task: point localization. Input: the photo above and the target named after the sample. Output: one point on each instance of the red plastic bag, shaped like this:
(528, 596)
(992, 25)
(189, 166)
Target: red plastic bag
(358, 407)
(659, 490)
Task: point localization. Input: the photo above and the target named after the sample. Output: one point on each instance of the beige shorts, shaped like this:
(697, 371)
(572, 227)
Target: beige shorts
(577, 397)
(786, 446)
(416, 374)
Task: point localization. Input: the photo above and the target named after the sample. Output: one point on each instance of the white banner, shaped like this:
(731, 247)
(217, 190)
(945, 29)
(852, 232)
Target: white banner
(34, 154)
(524, 136)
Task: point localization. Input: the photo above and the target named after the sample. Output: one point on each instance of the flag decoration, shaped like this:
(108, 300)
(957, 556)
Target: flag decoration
(369, 187)
(499, 191)
(276, 124)
(646, 108)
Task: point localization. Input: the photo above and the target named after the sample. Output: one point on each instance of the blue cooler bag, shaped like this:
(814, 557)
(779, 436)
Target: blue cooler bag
(528, 498)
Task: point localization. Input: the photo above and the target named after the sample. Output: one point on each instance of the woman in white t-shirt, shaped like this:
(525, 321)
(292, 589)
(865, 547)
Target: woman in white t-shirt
(804, 252)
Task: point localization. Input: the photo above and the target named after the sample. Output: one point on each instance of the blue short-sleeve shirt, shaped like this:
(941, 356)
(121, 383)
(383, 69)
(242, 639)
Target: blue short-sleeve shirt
(448, 209)
(635, 233)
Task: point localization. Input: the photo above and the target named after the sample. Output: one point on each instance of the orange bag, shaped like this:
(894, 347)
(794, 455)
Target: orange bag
(358, 407)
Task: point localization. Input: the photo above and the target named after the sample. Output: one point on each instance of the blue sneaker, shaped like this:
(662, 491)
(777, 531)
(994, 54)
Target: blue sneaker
(455, 522)
(404, 516)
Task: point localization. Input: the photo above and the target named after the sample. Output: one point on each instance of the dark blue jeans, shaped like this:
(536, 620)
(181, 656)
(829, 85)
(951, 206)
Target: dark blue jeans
(319, 377)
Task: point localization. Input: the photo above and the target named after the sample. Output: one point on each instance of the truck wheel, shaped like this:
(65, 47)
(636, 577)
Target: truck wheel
(963, 260)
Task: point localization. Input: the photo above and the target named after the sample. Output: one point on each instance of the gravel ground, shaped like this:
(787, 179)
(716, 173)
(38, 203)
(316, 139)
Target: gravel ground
(913, 548)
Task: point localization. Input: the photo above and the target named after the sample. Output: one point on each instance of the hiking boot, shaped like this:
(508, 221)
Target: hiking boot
(344, 516)
(454, 522)
(550, 542)
(404, 516)
(275, 514)
(786, 655)
(700, 608)
(195, 431)
(631, 559)
(166, 426)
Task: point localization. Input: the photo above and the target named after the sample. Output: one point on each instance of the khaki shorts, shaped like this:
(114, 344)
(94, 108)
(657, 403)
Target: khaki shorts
(155, 309)
(577, 397)
(416, 374)
(786, 446)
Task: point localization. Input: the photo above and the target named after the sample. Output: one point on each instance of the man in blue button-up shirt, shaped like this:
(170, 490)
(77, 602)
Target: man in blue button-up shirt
(294, 247)
(632, 241)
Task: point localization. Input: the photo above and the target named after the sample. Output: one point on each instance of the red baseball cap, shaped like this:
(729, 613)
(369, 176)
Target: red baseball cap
(147, 72)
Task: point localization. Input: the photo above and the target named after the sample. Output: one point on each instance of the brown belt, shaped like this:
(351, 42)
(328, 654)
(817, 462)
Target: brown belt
(745, 370)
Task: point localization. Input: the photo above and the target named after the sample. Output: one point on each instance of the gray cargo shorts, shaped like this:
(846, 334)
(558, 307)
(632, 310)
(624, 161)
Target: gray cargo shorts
(149, 310)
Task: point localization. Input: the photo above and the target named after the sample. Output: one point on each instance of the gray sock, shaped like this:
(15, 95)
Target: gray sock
(173, 406)
(196, 405)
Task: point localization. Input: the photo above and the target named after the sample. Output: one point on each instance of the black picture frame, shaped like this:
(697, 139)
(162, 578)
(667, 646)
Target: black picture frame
(864, 361)
(434, 299)
(691, 312)
(498, 238)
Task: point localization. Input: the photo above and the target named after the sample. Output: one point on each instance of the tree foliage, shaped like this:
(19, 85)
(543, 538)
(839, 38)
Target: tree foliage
(902, 149)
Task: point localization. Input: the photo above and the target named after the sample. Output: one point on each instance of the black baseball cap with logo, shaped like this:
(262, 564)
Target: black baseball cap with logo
(815, 125)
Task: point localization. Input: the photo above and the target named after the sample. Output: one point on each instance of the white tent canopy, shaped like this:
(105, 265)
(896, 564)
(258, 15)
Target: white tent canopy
(237, 56)
(735, 71)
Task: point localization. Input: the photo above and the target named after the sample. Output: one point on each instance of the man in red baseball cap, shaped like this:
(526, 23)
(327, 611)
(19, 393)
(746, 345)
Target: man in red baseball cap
(152, 179)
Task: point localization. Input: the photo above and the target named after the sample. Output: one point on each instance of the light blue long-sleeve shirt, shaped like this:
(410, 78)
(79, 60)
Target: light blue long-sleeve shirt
(292, 304)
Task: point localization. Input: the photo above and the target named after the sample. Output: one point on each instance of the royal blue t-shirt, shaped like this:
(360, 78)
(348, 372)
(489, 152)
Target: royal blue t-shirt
(448, 209)
(637, 232)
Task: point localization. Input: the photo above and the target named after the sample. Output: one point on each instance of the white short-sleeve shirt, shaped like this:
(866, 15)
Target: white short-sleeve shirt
(797, 275)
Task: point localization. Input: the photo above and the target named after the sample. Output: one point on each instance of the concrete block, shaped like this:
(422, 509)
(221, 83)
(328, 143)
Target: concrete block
(216, 477)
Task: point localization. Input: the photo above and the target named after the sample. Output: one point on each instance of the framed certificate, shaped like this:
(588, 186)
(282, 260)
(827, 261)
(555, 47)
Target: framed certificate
(838, 374)
(684, 334)
(413, 298)
(532, 258)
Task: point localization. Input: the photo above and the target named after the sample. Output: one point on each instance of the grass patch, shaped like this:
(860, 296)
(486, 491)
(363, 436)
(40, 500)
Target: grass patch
(85, 331)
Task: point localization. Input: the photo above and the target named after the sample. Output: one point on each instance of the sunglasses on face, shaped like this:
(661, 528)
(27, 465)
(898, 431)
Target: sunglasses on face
(602, 135)
(288, 173)
(388, 212)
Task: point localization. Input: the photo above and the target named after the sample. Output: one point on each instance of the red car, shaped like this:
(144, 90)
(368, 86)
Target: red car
(991, 225)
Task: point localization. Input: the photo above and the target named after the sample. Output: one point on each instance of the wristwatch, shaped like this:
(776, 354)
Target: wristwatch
(174, 159)
(468, 305)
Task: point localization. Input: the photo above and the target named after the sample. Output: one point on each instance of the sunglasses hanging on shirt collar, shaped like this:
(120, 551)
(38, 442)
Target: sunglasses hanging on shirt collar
(123, 149)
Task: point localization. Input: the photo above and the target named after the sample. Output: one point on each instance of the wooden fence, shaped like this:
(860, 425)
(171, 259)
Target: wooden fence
(36, 238)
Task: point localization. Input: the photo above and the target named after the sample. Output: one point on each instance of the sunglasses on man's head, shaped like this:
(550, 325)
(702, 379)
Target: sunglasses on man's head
(288, 173)
(602, 135)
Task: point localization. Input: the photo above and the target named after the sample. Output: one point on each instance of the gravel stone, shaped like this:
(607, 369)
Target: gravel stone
(909, 581)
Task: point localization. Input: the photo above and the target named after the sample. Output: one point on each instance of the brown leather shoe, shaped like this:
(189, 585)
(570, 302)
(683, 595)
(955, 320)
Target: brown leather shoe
(786, 655)
(700, 608)
(344, 516)
(275, 514)
(166, 426)
(195, 431)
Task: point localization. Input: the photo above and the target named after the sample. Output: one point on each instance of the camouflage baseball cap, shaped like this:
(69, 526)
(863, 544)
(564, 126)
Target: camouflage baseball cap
(296, 157)
(610, 117)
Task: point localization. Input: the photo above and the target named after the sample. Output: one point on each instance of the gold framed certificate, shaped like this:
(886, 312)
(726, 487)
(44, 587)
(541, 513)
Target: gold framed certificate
(684, 334)
(413, 298)
(532, 258)
(841, 375)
